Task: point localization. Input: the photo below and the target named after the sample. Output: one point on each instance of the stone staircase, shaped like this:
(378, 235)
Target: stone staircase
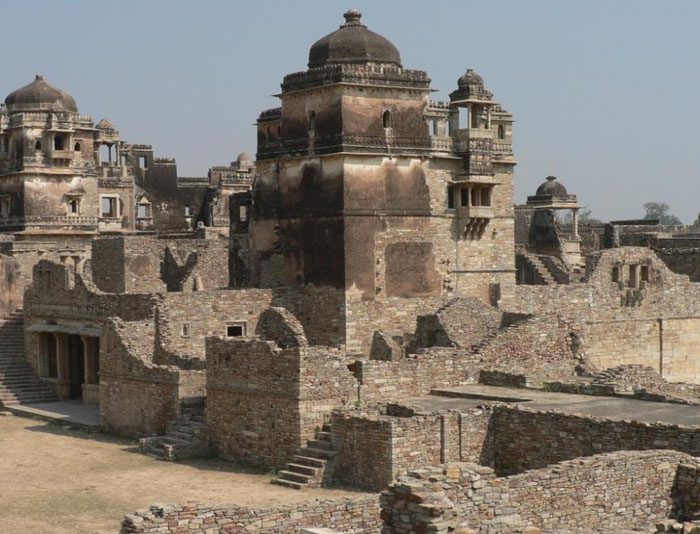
(186, 437)
(19, 383)
(307, 468)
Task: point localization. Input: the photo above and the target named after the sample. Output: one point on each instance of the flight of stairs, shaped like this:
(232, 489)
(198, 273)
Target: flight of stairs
(186, 437)
(19, 383)
(306, 470)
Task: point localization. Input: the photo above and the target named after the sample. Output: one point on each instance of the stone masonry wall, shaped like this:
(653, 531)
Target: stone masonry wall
(619, 320)
(264, 402)
(134, 264)
(358, 515)
(137, 397)
(623, 490)
(528, 439)
(374, 449)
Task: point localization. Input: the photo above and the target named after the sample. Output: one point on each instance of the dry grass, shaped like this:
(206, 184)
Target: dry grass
(59, 481)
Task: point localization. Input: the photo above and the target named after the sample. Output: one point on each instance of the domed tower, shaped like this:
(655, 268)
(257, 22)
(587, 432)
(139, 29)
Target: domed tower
(550, 197)
(47, 165)
(51, 180)
(357, 177)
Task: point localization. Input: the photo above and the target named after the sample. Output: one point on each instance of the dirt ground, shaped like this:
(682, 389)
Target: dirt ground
(59, 481)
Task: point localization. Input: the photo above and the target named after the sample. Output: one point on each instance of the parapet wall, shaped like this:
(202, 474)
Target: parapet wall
(350, 516)
(529, 439)
(622, 490)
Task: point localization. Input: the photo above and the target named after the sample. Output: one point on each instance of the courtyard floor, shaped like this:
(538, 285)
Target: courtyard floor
(59, 481)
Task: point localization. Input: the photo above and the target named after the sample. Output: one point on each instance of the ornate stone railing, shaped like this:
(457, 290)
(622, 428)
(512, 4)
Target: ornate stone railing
(48, 221)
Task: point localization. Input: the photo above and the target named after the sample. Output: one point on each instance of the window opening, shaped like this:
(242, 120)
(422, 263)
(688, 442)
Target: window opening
(450, 197)
(77, 147)
(645, 273)
(109, 207)
(501, 132)
(386, 118)
(464, 196)
(236, 330)
(58, 143)
(73, 206)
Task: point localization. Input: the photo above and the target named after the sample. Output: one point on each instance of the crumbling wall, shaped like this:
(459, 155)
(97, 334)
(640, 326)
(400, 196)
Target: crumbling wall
(11, 285)
(138, 397)
(529, 439)
(462, 322)
(358, 515)
(648, 317)
(138, 264)
(375, 448)
(264, 401)
(622, 490)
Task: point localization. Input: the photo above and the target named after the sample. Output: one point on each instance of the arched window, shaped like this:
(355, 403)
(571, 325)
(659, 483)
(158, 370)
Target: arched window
(501, 132)
(312, 120)
(37, 145)
(77, 147)
(386, 118)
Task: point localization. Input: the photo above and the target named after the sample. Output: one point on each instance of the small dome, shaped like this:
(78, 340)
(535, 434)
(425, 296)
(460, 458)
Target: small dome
(40, 96)
(353, 43)
(470, 78)
(104, 124)
(552, 187)
(244, 157)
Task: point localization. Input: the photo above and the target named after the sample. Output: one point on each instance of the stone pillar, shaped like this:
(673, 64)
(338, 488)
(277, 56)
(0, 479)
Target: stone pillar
(98, 148)
(63, 389)
(91, 388)
(574, 213)
(77, 264)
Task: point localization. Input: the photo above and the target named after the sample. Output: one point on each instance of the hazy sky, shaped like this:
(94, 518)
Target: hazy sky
(604, 92)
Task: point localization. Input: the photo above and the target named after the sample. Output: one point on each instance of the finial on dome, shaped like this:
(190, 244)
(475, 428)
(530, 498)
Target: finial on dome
(352, 17)
(39, 77)
(550, 178)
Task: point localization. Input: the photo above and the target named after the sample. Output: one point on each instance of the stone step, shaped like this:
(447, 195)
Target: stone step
(304, 469)
(289, 483)
(317, 463)
(324, 435)
(295, 477)
(325, 454)
(319, 444)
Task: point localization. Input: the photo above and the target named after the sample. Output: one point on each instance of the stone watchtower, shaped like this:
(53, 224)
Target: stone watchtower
(52, 197)
(369, 189)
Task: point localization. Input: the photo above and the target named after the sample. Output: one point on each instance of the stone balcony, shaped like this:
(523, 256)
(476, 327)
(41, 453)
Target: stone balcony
(61, 154)
(476, 212)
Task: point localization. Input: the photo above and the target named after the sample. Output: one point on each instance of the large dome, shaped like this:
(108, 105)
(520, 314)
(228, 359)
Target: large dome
(552, 188)
(353, 43)
(40, 96)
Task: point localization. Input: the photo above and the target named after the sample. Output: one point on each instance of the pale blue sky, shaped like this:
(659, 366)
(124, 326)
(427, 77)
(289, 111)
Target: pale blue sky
(604, 92)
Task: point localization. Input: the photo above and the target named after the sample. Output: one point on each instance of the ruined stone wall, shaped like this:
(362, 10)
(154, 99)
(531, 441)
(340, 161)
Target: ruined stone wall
(12, 282)
(623, 490)
(528, 439)
(651, 322)
(541, 347)
(680, 259)
(374, 449)
(365, 458)
(135, 264)
(358, 515)
(137, 398)
(264, 402)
